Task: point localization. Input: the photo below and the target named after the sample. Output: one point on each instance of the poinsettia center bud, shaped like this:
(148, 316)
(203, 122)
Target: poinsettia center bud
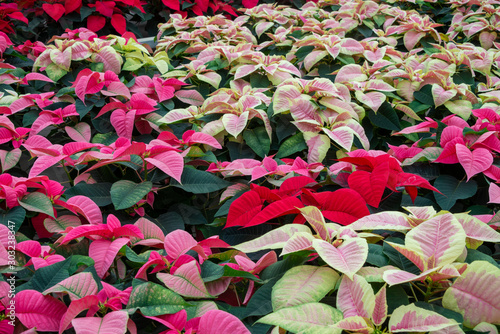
(102, 308)
(337, 243)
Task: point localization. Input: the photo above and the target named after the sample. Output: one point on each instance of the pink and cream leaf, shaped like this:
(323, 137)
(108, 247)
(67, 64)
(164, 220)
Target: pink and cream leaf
(380, 311)
(315, 218)
(474, 294)
(476, 230)
(439, 240)
(303, 284)
(410, 318)
(306, 318)
(355, 297)
(298, 242)
(348, 258)
(274, 239)
(388, 220)
(355, 324)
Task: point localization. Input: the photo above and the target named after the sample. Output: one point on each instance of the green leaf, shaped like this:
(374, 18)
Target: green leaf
(125, 194)
(239, 151)
(105, 138)
(65, 90)
(292, 145)
(189, 214)
(55, 72)
(398, 259)
(153, 299)
(379, 19)
(85, 11)
(15, 215)
(424, 95)
(376, 256)
(230, 272)
(259, 81)
(475, 255)
(200, 182)
(168, 222)
(47, 277)
(98, 192)
(463, 77)
(396, 296)
(303, 52)
(30, 117)
(418, 107)
(260, 303)
(82, 109)
(346, 59)
(211, 272)
(37, 202)
(386, 117)
(258, 140)
(137, 258)
(279, 268)
(452, 190)
(11, 159)
(224, 208)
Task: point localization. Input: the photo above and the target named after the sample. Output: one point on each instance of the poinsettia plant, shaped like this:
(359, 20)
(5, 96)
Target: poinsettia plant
(325, 168)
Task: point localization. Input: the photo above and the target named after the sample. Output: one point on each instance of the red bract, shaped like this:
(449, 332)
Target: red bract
(374, 173)
(10, 11)
(9, 133)
(343, 206)
(55, 11)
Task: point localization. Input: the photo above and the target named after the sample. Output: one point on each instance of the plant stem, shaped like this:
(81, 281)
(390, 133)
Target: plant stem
(413, 292)
(69, 176)
(421, 291)
(145, 170)
(115, 265)
(428, 293)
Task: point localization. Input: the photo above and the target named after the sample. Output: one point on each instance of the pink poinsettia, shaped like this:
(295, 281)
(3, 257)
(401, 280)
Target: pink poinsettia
(90, 82)
(108, 298)
(31, 49)
(107, 238)
(156, 88)
(9, 133)
(177, 244)
(245, 264)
